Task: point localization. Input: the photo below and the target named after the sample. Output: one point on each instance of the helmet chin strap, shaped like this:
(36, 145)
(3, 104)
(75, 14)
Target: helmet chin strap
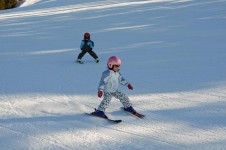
(112, 68)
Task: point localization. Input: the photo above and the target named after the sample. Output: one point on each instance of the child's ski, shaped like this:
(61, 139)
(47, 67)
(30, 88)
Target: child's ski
(106, 118)
(136, 114)
(79, 61)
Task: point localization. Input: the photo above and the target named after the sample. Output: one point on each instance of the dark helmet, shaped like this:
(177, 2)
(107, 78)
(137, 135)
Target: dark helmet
(87, 35)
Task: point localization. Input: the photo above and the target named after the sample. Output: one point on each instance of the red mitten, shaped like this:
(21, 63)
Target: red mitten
(130, 86)
(100, 93)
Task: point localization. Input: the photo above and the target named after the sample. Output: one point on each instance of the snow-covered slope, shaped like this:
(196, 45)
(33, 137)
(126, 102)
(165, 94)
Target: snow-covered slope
(173, 52)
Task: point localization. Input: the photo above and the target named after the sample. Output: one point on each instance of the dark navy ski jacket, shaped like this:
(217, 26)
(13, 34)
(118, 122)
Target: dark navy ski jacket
(87, 45)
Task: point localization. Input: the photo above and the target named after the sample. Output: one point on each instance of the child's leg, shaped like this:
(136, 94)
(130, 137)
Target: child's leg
(105, 102)
(93, 54)
(123, 98)
(81, 54)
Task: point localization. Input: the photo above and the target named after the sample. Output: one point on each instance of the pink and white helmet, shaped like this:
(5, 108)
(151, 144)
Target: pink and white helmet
(113, 60)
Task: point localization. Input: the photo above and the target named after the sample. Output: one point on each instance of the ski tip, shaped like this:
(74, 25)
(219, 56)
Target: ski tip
(142, 116)
(117, 121)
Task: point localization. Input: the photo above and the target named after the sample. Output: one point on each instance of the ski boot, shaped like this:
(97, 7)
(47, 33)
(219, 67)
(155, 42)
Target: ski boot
(97, 60)
(99, 113)
(79, 61)
(130, 110)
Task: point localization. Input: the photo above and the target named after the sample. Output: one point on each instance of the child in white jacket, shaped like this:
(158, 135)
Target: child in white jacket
(108, 87)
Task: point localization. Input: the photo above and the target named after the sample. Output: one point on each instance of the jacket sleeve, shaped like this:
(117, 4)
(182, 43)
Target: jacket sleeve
(122, 80)
(91, 45)
(104, 78)
(81, 45)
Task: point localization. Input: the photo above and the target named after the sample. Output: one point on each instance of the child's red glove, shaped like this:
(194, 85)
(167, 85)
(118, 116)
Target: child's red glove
(100, 93)
(130, 86)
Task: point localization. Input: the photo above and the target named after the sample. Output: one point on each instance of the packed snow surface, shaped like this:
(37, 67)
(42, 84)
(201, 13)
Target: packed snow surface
(173, 52)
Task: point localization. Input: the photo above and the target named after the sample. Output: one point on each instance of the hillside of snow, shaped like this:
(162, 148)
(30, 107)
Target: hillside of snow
(173, 52)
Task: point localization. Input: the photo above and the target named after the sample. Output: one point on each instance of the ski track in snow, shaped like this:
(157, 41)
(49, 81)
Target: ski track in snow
(135, 129)
(44, 97)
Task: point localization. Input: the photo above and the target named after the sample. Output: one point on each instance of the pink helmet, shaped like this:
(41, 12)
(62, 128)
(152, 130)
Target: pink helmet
(113, 60)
